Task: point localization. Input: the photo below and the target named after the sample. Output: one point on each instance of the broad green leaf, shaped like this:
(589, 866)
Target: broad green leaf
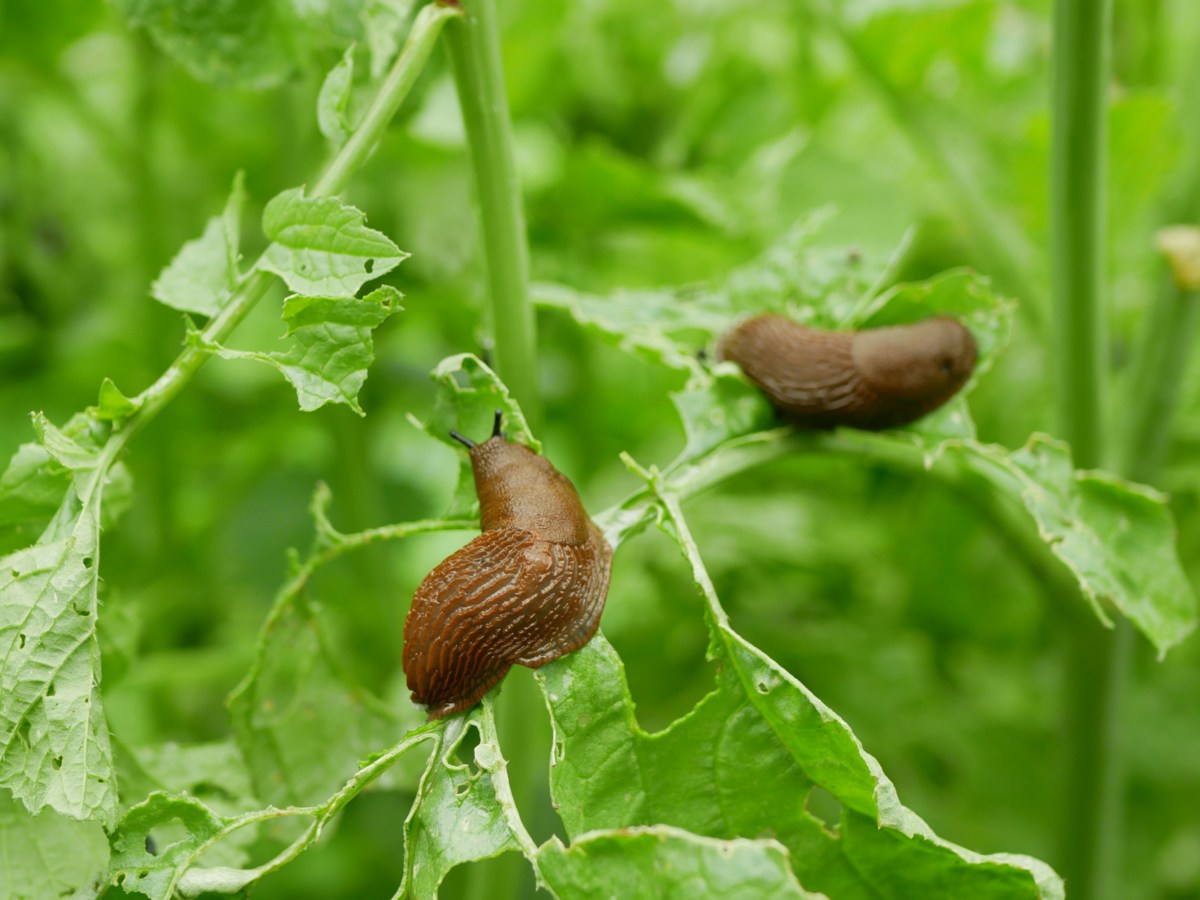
(293, 699)
(202, 276)
(54, 746)
(333, 101)
(661, 861)
(48, 855)
(608, 773)
(155, 872)
(329, 346)
(321, 246)
(463, 811)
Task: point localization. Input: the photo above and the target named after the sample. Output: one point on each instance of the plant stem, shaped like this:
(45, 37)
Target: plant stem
(474, 45)
(473, 42)
(1097, 658)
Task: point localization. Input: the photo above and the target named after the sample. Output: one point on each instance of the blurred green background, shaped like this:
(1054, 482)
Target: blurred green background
(658, 144)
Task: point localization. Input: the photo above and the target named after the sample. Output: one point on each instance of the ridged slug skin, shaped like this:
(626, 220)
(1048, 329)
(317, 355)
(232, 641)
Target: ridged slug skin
(528, 590)
(873, 379)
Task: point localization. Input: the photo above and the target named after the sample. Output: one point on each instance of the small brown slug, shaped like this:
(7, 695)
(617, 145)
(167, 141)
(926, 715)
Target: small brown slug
(528, 590)
(873, 379)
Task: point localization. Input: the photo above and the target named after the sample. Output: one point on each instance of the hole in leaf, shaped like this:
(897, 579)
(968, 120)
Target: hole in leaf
(23, 732)
(823, 806)
(56, 762)
(369, 266)
(120, 879)
(461, 790)
(87, 562)
(51, 690)
(81, 611)
(21, 641)
(151, 848)
(464, 751)
(16, 574)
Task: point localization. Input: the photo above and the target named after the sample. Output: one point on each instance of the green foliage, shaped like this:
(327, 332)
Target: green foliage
(814, 624)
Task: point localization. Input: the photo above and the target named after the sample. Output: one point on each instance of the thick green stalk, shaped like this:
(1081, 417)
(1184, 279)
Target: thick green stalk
(474, 45)
(1097, 658)
(473, 42)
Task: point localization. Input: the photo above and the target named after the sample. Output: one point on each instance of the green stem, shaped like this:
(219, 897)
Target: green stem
(474, 45)
(255, 285)
(473, 42)
(1097, 658)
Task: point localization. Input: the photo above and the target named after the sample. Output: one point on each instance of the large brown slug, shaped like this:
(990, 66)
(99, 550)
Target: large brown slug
(528, 590)
(874, 379)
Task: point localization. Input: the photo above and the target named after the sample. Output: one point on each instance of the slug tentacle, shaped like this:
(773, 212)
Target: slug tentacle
(873, 379)
(530, 589)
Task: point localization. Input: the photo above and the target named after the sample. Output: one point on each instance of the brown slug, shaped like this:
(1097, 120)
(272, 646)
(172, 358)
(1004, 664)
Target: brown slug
(873, 379)
(528, 590)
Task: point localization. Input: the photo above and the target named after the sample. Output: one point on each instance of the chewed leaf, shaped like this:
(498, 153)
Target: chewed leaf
(52, 729)
(322, 246)
(664, 861)
(1118, 539)
(329, 346)
(609, 773)
(202, 276)
(461, 812)
(156, 874)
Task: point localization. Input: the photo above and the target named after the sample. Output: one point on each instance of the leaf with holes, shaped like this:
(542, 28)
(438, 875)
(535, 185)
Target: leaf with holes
(329, 346)
(322, 246)
(54, 747)
(463, 810)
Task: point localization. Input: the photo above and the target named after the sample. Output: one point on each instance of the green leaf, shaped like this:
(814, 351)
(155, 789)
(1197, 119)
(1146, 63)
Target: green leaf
(293, 699)
(661, 861)
(48, 855)
(155, 874)
(608, 773)
(54, 746)
(333, 101)
(463, 811)
(321, 246)
(113, 405)
(202, 276)
(329, 346)
(1118, 538)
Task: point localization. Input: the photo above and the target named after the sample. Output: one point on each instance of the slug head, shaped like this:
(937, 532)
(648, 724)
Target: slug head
(920, 366)
(518, 488)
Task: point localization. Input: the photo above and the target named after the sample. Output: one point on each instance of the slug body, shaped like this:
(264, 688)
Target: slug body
(874, 379)
(528, 590)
